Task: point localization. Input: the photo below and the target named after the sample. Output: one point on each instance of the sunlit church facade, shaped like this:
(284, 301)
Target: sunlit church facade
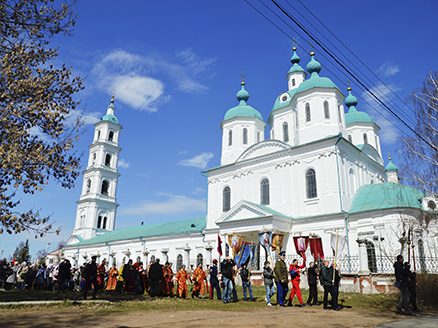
(319, 171)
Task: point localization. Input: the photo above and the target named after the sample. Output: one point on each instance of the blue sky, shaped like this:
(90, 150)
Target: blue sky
(176, 69)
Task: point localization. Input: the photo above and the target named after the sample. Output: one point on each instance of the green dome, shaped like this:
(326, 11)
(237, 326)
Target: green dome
(353, 114)
(315, 81)
(384, 196)
(110, 118)
(295, 60)
(391, 167)
(242, 110)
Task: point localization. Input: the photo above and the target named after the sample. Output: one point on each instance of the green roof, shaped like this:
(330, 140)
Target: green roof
(149, 230)
(111, 118)
(270, 210)
(384, 196)
(243, 110)
(391, 167)
(356, 116)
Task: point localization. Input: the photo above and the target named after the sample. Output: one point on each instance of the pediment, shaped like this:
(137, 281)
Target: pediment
(372, 152)
(243, 210)
(263, 148)
(73, 240)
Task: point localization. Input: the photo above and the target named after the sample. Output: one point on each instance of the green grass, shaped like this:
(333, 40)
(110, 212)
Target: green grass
(123, 303)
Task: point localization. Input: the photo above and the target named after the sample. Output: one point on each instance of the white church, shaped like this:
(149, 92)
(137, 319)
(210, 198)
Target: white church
(320, 171)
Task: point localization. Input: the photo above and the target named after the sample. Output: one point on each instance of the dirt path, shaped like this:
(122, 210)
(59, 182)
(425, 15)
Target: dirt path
(265, 317)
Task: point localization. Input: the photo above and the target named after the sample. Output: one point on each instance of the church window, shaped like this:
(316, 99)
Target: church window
(199, 259)
(308, 117)
(339, 113)
(245, 136)
(108, 160)
(285, 132)
(124, 260)
(99, 222)
(138, 259)
(293, 82)
(371, 252)
(258, 136)
(153, 258)
(431, 204)
(88, 185)
(94, 158)
(226, 199)
(179, 262)
(105, 187)
(104, 222)
(98, 135)
(326, 110)
(82, 220)
(111, 136)
(372, 181)
(350, 138)
(352, 182)
(365, 138)
(296, 120)
(230, 138)
(264, 192)
(311, 184)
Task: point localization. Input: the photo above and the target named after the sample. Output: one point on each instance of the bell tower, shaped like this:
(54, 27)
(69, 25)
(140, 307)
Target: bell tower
(97, 206)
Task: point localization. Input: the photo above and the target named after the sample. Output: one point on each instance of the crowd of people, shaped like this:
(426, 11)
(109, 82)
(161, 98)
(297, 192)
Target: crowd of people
(159, 280)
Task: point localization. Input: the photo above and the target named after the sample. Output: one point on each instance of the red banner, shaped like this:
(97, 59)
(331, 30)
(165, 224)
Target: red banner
(301, 243)
(316, 248)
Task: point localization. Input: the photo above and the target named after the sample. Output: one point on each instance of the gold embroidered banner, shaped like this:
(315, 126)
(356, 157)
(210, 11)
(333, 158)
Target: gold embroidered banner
(235, 242)
(277, 242)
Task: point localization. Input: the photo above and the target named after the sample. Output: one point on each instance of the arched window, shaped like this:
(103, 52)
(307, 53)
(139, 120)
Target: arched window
(226, 199)
(258, 136)
(108, 160)
(153, 258)
(339, 113)
(99, 222)
(105, 187)
(179, 262)
(94, 158)
(82, 219)
(199, 259)
(111, 136)
(98, 135)
(88, 185)
(124, 260)
(365, 138)
(230, 138)
(371, 252)
(293, 82)
(326, 110)
(264, 192)
(285, 132)
(311, 184)
(104, 222)
(350, 138)
(245, 136)
(372, 181)
(352, 182)
(308, 117)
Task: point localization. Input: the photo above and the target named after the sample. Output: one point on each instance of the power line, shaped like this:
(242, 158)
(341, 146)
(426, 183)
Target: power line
(353, 76)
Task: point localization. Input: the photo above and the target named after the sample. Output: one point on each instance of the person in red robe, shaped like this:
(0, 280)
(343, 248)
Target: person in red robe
(169, 280)
(198, 277)
(294, 271)
(112, 279)
(101, 273)
(181, 281)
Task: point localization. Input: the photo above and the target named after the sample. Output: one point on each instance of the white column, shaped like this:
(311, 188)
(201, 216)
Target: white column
(209, 249)
(363, 257)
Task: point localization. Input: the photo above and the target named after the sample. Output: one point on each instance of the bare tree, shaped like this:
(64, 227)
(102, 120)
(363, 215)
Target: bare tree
(36, 104)
(419, 167)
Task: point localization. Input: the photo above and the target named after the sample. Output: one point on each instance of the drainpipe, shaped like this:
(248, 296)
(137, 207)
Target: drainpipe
(340, 201)
(205, 175)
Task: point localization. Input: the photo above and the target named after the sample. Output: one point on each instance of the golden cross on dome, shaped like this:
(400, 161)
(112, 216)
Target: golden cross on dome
(243, 77)
(389, 155)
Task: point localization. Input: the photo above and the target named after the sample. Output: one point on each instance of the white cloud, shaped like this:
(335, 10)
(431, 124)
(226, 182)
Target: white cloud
(173, 204)
(124, 164)
(135, 77)
(183, 152)
(388, 69)
(200, 161)
(198, 191)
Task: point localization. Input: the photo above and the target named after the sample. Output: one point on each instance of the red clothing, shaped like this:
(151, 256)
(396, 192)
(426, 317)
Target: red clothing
(296, 282)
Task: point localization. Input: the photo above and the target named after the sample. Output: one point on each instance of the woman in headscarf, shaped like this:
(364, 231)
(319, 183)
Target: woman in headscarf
(12, 278)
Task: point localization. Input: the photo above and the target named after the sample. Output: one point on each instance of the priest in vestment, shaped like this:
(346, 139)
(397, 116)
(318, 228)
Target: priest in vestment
(181, 282)
(198, 277)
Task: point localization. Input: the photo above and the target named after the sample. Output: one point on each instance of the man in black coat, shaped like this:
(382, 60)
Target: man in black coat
(313, 281)
(90, 273)
(402, 280)
(227, 278)
(326, 279)
(155, 276)
(64, 275)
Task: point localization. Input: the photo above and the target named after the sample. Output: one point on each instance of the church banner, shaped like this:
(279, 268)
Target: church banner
(235, 242)
(301, 243)
(265, 239)
(243, 255)
(316, 249)
(252, 249)
(277, 242)
(339, 246)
